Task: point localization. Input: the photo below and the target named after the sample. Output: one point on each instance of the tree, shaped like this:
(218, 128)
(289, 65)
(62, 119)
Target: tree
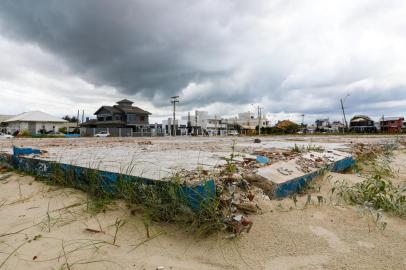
(72, 119)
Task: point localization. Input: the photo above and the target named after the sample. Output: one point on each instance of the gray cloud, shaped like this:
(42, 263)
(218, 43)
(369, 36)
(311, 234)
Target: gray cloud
(291, 56)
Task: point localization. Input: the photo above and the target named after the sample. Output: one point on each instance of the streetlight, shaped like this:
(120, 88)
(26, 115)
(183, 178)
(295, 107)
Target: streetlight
(342, 107)
(175, 99)
(259, 108)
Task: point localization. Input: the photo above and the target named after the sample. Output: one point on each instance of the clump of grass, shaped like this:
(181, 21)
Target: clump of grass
(88, 180)
(117, 225)
(315, 148)
(373, 160)
(375, 192)
(231, 166)
(167, 202)
(365, 153)
(296, 149)
(302, 149)
(98, 198)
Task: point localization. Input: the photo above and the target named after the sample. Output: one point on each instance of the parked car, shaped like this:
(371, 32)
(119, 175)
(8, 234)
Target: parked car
(232, 133)
(6, 136)
(102, 134)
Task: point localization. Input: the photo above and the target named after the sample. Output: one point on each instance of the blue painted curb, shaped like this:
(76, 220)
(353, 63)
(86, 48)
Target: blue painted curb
(195, 196)
(296, 185)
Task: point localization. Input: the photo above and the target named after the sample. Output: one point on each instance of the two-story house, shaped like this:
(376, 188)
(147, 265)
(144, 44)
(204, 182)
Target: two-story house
(391, 124)
(122, 115)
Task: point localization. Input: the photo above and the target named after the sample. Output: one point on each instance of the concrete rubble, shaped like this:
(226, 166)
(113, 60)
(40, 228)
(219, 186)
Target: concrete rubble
(240, 183)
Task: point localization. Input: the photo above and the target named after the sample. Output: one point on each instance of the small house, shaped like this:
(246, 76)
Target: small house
(35, 122)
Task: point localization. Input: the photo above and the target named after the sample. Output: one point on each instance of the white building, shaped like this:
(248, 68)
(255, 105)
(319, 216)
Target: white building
(34, 122)
(204, 124)
(3, 124)
(248, 121)
(201, 123)
(180, 125)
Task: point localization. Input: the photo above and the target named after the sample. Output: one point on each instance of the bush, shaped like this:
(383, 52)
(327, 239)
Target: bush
(63, 130)
(25, 133)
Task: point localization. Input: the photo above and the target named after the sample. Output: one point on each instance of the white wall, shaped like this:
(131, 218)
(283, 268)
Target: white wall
(49, 126)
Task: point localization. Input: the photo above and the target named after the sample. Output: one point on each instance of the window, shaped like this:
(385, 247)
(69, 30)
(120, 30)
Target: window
(142, 118)
(131, 118)
(100, 118)
(109, 118)
(118, 117)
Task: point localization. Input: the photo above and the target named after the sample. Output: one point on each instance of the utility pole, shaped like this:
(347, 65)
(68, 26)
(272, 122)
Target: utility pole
(77, 120)
(189, 124)
(342, 107)
(196, 131)
(175, 99)
(303, 120)
(259, 120)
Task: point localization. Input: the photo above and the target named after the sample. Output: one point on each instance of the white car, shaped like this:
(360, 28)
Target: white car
(102, 134)
(232, 133)
(6, 136)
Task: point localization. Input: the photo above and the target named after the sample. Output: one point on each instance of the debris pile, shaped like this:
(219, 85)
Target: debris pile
(238, 198)
(306, 165)
(144, 143)
(237, 189)
(275, 156)
(363, 152)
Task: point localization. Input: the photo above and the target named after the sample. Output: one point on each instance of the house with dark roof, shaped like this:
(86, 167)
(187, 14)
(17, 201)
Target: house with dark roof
(362, 123)
(122, 115)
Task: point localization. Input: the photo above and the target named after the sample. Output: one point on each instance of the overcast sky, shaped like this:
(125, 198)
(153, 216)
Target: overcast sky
(292, 57)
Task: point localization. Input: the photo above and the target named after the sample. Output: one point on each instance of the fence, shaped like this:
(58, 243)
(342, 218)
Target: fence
(118, 132)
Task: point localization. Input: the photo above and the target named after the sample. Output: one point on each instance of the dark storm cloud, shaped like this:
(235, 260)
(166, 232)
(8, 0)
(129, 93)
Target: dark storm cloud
(137, 46)
(291, 55)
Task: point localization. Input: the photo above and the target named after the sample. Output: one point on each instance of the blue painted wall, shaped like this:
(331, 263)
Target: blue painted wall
(297, 184)
(194, 196)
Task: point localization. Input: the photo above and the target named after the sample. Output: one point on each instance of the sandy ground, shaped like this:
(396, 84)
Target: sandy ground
(45, 227)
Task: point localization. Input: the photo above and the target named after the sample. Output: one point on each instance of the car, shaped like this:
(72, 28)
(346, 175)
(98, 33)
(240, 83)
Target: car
(6, 136)
(102, 134)
(232, 132)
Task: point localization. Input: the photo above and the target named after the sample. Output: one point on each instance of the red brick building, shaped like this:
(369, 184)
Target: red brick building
(392, 124)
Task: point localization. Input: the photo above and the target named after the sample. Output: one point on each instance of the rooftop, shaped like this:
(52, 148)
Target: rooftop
(35, 116)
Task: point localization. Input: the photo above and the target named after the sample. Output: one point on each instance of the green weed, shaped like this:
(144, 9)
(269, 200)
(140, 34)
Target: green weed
(375, 192)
